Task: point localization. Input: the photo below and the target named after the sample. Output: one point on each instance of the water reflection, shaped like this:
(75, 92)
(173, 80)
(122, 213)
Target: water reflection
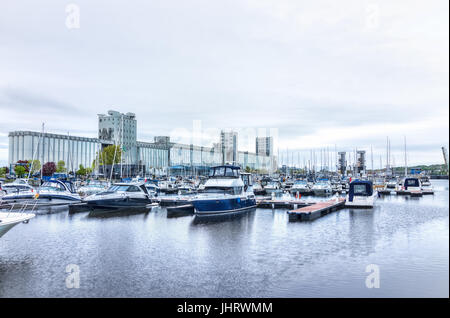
(108, 213)
(361, 231)
(226, 217)
(254, 254)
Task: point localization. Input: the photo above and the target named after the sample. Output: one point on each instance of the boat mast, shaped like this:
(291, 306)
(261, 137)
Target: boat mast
(121, 145)
(387, 155)
(43, 145)
(371, 159)
(34, 155)
(406, 164)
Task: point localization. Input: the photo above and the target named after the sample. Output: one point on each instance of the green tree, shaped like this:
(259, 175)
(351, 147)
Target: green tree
(35, 165)
(61, 166)
(19, 170)
(2, 172)
(109, 155)
(81, 171)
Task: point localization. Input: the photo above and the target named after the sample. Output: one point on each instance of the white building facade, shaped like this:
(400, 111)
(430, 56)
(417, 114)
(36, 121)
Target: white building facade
(120, 129)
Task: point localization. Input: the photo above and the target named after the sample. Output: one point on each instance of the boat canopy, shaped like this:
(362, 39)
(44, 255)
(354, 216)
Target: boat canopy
(226, 171)
(59, 185)
(411, 182)
(360, 188)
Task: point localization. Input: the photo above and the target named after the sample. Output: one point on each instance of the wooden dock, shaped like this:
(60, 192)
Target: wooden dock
(314, 211)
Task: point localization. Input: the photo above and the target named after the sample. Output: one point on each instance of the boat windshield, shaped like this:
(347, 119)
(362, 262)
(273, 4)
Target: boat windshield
(55, 186)
(95, 185)
(223, 190)
(124, 188)
(360, 189)
(412, 182)
(224, 172)
(300, 182)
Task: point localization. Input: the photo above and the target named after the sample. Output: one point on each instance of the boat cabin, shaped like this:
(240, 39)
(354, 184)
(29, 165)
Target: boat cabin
(128, 187)
(58, 185)
(226, 171)
(411, 183)
(360, 188)
(247, 178)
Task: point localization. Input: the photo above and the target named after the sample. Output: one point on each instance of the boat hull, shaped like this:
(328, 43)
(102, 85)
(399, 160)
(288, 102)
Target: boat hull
(7, 222)
(223, 206)
(320, 192)
(5, 228)
(363, 202)
(42, 199)
(118, 203)
(300, 190)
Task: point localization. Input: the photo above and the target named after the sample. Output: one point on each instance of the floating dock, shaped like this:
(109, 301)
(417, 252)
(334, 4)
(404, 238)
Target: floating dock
(172, 201)
(281, 204)
(407, 192)
(314, 211)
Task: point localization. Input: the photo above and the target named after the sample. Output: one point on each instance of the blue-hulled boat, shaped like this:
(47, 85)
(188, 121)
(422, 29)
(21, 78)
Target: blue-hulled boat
(226, 191)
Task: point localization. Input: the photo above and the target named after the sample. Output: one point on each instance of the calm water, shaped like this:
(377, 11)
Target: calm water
(258, 255)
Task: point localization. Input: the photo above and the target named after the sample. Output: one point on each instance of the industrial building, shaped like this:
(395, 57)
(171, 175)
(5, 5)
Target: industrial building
(121, 129)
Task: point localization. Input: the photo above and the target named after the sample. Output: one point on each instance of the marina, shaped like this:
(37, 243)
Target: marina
(182, 256)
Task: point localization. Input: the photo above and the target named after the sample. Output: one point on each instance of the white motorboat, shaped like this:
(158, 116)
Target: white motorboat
(391, 184)
(50, 192)
(425, 181)
(257, 188)
(412, 186)
(361, 194)
(19, 185)
(10, 219)
(272, 187)
(92, 187)
(322, 187)
(300, 186)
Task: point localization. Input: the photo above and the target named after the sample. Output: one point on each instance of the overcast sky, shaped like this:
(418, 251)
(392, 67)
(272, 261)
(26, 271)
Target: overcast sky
(320, 73)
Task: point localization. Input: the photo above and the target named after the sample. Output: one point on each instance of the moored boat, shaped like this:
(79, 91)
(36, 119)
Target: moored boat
(120, 196)
(322, 187)
(412, 186)
(361, 194)
(300, 186)
(92, 187)
(10, 219)
(225, 192)
(50, 192)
